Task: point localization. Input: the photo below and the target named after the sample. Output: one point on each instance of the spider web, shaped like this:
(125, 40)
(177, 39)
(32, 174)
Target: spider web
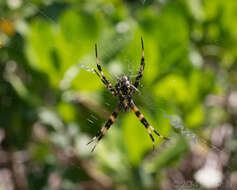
(87, 65)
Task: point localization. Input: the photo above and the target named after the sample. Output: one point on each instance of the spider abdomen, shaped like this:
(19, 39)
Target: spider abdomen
(126, 104)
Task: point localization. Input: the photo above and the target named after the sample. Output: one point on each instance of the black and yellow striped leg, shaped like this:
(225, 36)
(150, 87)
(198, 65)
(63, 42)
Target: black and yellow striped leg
(146, 124)
(101, 75)
(140, 73)
(104, 129)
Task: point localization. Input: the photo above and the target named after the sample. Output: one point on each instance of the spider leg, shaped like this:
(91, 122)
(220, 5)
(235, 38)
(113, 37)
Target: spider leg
(140, 73)
(146, 124)
(101, 75)
(104, 129)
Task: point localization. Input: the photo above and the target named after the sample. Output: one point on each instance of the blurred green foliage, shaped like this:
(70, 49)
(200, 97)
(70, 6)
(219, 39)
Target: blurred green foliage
(51, 102)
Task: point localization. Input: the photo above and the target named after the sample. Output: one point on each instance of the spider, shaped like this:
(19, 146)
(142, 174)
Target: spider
(124, 91)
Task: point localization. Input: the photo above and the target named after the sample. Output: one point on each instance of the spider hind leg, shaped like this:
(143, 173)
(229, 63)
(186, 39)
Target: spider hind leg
(104, 129)
(146, 124)
(95, 139)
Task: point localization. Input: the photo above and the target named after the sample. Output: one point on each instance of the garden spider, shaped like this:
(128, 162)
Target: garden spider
(124, 91)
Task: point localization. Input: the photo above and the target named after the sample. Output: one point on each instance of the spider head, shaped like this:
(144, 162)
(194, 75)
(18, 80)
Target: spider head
(125, 86)
(125, 81)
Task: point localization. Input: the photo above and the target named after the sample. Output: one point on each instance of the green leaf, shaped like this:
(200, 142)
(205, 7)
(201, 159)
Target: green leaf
(169, 156)
(173, 88)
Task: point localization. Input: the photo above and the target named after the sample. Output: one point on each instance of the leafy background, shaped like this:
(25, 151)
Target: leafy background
(51, 103)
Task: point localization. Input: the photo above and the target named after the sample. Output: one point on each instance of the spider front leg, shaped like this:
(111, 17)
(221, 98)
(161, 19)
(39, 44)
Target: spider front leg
(101, 75)
(146, 124)
(104, 129)
(140, 73)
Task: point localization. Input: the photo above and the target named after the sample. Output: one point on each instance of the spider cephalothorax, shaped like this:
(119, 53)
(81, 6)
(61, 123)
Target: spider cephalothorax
(123, 87)
(124, 90)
